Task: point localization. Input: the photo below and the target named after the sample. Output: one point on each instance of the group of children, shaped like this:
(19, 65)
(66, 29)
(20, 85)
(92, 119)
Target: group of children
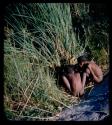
(75, 77)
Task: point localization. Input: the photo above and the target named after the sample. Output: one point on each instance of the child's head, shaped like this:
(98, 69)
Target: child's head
(82, 60)
(69, 69)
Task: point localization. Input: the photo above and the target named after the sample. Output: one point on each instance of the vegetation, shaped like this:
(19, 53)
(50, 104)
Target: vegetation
(37, 37)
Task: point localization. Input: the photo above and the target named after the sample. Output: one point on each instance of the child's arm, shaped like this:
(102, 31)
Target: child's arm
(84, 79)
(66, 82)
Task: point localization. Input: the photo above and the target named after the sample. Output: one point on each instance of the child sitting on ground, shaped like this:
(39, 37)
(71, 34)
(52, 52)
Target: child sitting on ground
(72, 80)
(90, 70)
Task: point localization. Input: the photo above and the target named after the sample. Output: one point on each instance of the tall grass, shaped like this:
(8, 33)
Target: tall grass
(50, 24)
(38, 37)
(44, 35)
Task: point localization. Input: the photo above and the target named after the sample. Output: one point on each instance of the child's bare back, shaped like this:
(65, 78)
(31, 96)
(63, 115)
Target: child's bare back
(72, 79)
(95, 71)
(75, 83)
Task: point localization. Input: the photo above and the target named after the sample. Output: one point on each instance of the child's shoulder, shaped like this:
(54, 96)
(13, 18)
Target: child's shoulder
(91, 64)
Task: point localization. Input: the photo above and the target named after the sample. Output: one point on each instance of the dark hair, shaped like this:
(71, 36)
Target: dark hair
(68, 69)
(82, 58)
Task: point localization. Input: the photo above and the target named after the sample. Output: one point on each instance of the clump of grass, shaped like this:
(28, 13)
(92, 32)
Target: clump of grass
(54, 33)
(27, 87)
(36, 43)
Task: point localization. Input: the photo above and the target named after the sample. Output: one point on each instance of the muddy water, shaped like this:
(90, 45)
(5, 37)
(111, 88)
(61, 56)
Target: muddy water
(93, 106)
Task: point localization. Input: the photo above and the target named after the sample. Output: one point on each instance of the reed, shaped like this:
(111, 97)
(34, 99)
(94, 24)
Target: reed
(41, 36)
